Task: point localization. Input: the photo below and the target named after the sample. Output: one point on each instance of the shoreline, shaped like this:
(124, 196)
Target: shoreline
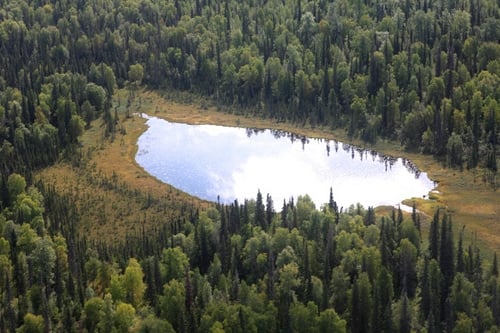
(338, 175)
(464, 194)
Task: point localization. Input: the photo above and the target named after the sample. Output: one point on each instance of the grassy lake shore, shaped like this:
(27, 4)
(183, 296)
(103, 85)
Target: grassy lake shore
(472, 201)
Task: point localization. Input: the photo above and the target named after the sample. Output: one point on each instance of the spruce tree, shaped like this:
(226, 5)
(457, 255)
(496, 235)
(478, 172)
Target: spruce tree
(476, 130)
(494, 305)
(189, 302)
(269, 210)
(460, 254)
(370, 216)
(435, 281)
(270, 274)
(332, 205)
(404, 316)
(387, 243)
(425, 293)
(361, 305)
(446, 265)
(284, 215)
(434, 237)
(355, 309)
(494, 266)
(260, 214)
(414, 213)
(307, 274)
(224, 241)
(382, 300)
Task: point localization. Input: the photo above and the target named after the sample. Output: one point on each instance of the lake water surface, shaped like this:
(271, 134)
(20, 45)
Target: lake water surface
(234, 163)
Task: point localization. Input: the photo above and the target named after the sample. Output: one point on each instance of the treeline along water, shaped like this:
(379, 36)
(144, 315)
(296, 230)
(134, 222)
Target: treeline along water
(225, 163)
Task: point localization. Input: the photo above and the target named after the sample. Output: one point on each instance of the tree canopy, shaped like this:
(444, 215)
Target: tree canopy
(424, 73)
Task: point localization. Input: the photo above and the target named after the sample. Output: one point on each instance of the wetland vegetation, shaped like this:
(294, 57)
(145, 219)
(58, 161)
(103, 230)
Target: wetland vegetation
(90, 242)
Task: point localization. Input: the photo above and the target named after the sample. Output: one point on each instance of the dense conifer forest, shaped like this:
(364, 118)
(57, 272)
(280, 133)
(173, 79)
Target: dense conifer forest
(425, 73)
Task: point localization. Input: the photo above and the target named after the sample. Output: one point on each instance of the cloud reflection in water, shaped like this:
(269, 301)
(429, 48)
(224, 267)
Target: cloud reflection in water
(233, 163)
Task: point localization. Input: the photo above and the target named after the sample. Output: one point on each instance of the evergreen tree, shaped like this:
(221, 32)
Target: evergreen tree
(332, 205)
(495, 305)
(269, 210)
(414, 214)
(425, 304)
(405, 316)
(361, 305)
(434, 282)
(494, 266)
(224, 241)
(284, 215)
(260, 214)
(460, 253)
(307, 287)
(387, 243)
(270, 275)
(434, 237)
(382, 300)
(446, 257)
(190, 322)
(370, 216)
(476, 130)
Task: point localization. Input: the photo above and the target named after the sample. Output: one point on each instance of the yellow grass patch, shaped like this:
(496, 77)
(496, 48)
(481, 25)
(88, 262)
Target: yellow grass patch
(112, 192)
(472, 201)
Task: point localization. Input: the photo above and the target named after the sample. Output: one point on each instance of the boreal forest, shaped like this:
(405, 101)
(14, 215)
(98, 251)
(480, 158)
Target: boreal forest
(422, 73)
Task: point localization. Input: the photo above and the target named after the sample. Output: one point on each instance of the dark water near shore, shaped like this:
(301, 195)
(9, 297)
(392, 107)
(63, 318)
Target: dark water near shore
(234, 163)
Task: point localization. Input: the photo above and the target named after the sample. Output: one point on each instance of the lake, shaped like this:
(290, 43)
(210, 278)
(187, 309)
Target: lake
(228, 163)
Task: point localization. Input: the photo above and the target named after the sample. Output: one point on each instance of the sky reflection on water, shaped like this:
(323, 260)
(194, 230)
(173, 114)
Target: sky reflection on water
(210, 161)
